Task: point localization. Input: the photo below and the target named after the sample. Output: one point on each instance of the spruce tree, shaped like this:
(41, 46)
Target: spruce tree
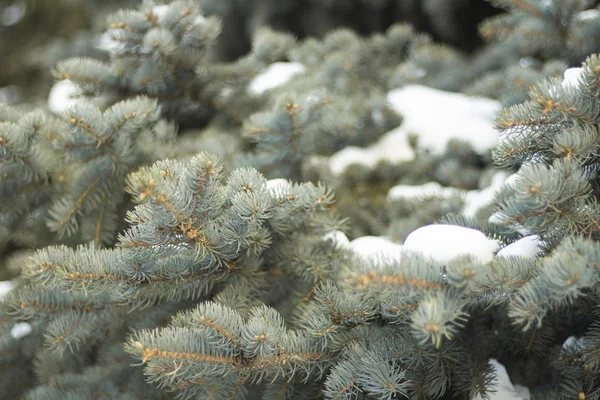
(176, 232)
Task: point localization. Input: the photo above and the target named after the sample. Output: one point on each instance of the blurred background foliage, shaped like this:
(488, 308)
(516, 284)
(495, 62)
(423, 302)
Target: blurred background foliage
(36, 34)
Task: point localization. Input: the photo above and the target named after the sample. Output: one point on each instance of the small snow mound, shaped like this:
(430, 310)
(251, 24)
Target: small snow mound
(339, 161)
(274, 75)
(20, 330)
(446, 242)
(571, 77)
(456, 116)
(338, 237)
(392, 146)
(574, 341)
(477, 199)
(5, 287)
(376, 249)
(588, 15)
(474, 199)
(505, 390)
(527, 247)
(62, 96)
(414, 192)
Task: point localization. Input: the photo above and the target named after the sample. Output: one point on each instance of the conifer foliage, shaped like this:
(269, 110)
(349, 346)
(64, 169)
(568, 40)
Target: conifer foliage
(553, 138)
(193, 234)
(158, 271)
(157, 51)
(68, 173)
(557, 29)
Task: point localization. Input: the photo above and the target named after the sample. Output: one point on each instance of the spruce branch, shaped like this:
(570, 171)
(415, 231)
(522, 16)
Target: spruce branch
(554, 28)
(71, 169)
(159, 48)
(553, 136)
(561, 279)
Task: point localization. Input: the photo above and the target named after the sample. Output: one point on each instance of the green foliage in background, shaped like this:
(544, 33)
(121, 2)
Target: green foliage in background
(174, 234)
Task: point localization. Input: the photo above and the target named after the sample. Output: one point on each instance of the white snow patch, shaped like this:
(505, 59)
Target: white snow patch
(376, 249)
(20, 330)
(505, 390)
(62, 95)
(499, 218)
(445, 242)
(588, 15)
(437, 116)
(414, 192)
(456, 116)
(527, 247)
(274, 75)
(5, 287)
(574, 341)
(571, 77)
(338, 237)
(474, 199)
(477, 199)
(392, 147)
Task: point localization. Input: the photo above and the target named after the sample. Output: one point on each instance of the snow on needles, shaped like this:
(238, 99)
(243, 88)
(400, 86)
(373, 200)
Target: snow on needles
(477, 199)
(527, 247)
(435, 117)
(446, 242)
(505, 390)
(62, 96)
(442, 243)
(392, 147)
(5, 287)
(571, 77)
(588, 15)
(415, 192)
(339, 238)
(376, 250)
(474, 199)
(20, 330)
(274, 75)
